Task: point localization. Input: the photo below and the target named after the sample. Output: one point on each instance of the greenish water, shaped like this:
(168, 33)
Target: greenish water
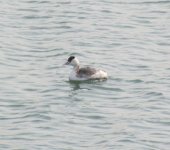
(41, 109)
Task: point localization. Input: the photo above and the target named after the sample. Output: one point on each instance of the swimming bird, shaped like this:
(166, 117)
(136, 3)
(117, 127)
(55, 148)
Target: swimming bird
(85, 73)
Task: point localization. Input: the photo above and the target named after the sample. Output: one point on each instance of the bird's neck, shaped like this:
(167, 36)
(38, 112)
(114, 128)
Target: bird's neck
(76, 68)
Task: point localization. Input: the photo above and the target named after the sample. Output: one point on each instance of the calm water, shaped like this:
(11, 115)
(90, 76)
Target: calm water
(41, 109)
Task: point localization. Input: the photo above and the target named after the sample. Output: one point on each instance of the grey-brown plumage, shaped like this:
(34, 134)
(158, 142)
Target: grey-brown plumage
(86, 71)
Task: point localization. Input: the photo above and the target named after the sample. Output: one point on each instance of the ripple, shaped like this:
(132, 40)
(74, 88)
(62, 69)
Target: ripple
(41, 109)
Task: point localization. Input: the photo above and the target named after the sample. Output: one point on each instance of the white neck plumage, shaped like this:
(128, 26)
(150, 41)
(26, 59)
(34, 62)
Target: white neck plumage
(76, 68)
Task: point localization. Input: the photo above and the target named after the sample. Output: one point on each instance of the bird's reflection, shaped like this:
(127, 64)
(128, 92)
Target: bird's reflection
(75, 86)
(79, 88)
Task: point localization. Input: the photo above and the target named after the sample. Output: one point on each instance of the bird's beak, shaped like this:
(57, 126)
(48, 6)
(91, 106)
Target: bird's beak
(66, 63)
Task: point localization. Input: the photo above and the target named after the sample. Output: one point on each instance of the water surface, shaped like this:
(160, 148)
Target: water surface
(41, 109)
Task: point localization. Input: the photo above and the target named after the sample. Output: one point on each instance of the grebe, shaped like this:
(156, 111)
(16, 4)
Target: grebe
(85, 73)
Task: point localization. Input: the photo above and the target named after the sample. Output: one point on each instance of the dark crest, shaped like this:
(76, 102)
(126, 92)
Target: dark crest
(70, 58)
